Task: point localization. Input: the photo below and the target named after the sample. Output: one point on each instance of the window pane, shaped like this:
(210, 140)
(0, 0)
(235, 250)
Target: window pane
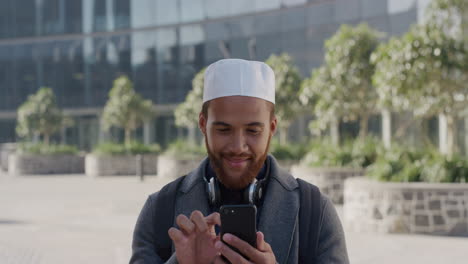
(240, 7)
(262, 5)
(73, 16)
(121, 14)
(167, 65)
(166, 12)
(144, 64)
(191, 10)
(372, 8)
(398, 6)
(293, 2)
(318, 14)
(217, 8)
(142, 13)
(25, 18)
(346, 10)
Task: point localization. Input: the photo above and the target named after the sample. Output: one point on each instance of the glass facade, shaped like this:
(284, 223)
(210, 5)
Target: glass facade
(79, 47)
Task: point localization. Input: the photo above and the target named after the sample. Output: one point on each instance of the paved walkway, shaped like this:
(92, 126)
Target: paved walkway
(76, 219)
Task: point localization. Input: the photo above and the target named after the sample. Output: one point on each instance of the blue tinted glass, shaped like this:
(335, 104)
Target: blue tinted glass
(346, 10)
(73, 16)
(191, 10)
(262, 5)
(121, 14)
(167, 12)
(142, 13)
(25, 18)
(144, 64)
(217, 8)
(321, 13)
(372, 8)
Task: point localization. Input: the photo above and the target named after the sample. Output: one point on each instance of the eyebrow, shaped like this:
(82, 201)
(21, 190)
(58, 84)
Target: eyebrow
(221, 123)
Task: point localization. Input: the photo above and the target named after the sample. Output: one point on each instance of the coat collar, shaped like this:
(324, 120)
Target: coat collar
(279, 215)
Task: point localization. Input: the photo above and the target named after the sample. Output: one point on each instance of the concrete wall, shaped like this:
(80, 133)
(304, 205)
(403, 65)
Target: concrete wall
(22, 164)
(97, 165)
(172, 167)
(329, 180)
(427, 208)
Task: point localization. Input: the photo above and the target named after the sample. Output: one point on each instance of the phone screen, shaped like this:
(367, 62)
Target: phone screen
(241, 221)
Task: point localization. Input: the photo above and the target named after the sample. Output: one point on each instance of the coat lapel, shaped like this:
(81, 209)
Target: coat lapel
(279, 215)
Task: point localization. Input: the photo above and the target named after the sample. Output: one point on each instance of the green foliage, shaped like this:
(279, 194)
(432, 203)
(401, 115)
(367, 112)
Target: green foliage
(185, 150)
(186, 113)
(359, 153)
(288, 151)
(46, 149)
(135, 147)
(342, 88)
(288, 85)
(40, 115)
(400, 164)
(125, 108)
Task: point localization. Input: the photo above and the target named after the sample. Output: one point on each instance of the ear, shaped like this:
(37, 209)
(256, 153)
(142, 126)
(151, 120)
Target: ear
(273, 125)
(202, 123)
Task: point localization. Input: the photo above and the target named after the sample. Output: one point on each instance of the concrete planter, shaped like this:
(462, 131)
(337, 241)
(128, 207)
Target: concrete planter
(5, 150)
(287, 164)
(112, 165)
(426, 208)
(329, 180)
(172, 167)
(22, 164)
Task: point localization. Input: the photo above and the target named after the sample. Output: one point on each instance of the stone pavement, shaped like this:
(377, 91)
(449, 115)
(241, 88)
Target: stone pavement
(76, 219)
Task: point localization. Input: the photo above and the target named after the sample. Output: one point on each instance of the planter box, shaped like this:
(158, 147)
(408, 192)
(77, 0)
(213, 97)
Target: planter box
(425, 208)
(111, 165)
(287, 164)
(169, 166)
(5, 150)
(22, 164)
(329, 180)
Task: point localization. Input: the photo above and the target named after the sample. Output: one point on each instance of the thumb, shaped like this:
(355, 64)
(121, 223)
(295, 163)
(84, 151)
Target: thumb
(261, 241)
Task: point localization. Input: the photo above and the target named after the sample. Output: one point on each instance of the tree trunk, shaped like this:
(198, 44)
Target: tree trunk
(443, 133)
(335, 131)
(363, 126)
(46, 139)
(451, 135)
(283, 140)
(127, 137)
(387, 128)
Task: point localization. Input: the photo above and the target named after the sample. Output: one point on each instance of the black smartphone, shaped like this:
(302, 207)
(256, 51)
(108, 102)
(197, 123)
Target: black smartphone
(241, 221)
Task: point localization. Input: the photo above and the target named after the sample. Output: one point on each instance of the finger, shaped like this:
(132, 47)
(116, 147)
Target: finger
(261, 244)
(185, 224)
(219, 260)
(175, 234)
(213, 219)
(199, 220)
(245, 248)
(229, 254)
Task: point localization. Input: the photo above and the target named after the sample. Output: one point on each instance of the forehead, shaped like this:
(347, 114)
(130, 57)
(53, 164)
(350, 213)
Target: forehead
(238, 107)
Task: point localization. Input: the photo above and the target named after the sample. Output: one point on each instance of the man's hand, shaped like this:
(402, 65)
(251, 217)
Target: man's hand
(194, 242)
(263, 254)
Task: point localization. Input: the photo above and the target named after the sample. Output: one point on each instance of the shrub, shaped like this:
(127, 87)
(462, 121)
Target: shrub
(135, 147)
(401, 164)
(46, 149)
(358, 154)
(185, 150)
(288, 151)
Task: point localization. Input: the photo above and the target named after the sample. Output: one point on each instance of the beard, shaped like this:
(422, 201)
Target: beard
(251, 171)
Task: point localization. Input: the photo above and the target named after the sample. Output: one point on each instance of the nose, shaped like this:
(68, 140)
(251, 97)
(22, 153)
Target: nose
(238, 143)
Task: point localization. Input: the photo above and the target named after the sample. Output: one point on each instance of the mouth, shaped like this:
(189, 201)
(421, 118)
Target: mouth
(236, 162)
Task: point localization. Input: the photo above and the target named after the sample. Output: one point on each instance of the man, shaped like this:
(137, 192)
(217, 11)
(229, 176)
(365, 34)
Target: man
(238, 121)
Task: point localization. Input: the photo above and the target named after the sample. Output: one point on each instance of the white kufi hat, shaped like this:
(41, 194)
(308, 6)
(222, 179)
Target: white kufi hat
(230, 77)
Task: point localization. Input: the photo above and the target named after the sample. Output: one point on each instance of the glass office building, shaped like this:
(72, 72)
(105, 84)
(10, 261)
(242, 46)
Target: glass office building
(79, 47)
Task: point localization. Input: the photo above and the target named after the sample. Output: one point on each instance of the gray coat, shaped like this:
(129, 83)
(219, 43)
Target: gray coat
(279, 219)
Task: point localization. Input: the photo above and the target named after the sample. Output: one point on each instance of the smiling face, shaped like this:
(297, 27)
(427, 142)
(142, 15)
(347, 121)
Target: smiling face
(237, 133)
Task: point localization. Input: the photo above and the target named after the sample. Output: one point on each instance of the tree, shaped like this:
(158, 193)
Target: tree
(426, 70)
(186, 113)
(40, 115)
(288, 85)
(342, 87)
(348, 58)
(125, 108)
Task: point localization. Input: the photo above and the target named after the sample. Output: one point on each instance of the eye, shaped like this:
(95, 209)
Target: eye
(222, 130)
(253, 131)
